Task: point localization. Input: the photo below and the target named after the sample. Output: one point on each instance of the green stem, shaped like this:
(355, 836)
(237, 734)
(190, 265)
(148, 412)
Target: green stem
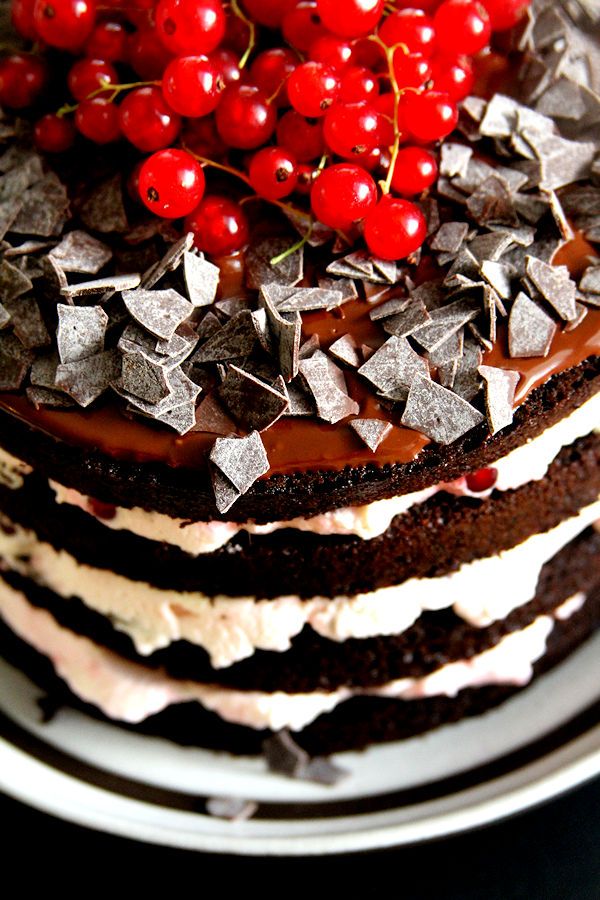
(297, 246)
(251, 29)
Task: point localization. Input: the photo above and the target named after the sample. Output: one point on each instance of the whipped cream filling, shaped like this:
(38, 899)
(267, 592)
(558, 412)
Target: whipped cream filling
(527, 463)
(232, 628)
(128, 692)
(12, 470)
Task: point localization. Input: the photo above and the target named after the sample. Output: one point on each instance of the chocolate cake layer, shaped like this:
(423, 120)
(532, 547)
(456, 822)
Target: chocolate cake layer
(186, 493)
(430, 539)
(315, 663)
(352, 725)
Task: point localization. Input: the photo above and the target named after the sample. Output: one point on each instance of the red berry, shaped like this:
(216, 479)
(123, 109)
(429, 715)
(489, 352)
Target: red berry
(192, 86)
(171, 183)
(201, 136)
(273, 173)
(146, 120)
(482, 480)
(53, 134)
(271, 70)
(227, 64)
(411, 27)
(108, 41)
(411, 70)
(505, 13)
(64, 23)
(101, 510)
(22, 77)
(303, 138)
(332, 51)
(147, 55)
(301, 26)
(394, 228)
(245, 119)
(350, 18)
(21, 14)
(428, 117)
(268, 12)
(220, 226)
(352, 129)
(88, 75)
(312, 89)
(190, 26)
(98, 120)
(415, 170)
(462, 26)
(358, 84)
(342, 194)
(307, 175)
(385, 107)
(455, 77)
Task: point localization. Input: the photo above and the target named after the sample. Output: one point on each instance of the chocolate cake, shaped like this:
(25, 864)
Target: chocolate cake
(300, 488)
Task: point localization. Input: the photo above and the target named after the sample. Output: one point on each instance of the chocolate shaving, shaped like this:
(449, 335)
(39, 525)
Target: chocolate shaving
(407, 322)
(305, 299)
(259, 270)
(80, 252)
(201, 279)
(211, 417)
(300, 404)
(81, 332)
(393, 366)
(286, 329)
(492, 203)
(180, 418)
(371, 431)
(13, 283)
(490, 246)
(86, 379)
(4, 316)
(104, 286)
(41, 396)
(159, 312)
(389, 308)
(144, 378)
(236, 338)
(530, 329)
(169, 262)
(28, 323)
(499, 276)
(450, 237)
(44, 209)
(437, 412)
(254, 404)
(454, 159)
(345, 285)
(327, 385)
(15, 360)
(345, 349)
(467, 380)
(285, 757)
(445, 321)
(555, 285)
(241, 461)
(104, 210)
(234, 809)
(501, 385)
(590, 280)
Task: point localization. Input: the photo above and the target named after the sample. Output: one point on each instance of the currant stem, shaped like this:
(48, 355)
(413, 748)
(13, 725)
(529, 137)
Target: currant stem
(297, 246)
(251, 29)
(390, 52)
(116, 89)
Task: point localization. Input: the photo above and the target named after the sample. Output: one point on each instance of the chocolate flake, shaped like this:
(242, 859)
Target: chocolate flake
(44, 210)
(327, 385)
(499, 276)
(13, 283)
(253, 403)
(212, 418)
(104, 210)
(371, 431)
(284, 756)
(555, 285)
(159, 312)
(389, 308)
(305, 299)
(437, 412)
(530, 329)
(43, 370)
(144, 378)
(41, 396)
(80, 252)
(345, 285)
(81, 332)
(104, 286)
(300, 404)
(86, 379)
(15, 360)
(454, 159)
(180, 418)
(201, 279)
(345, 349)
(28, 323)
(450, 236)
(467, 380)
(287, 330)
(445, 321)
(590, 281)
(258, 263)
(492, 203)
(236, 338)
(242, 461)
(500, 390)
(234, 809)
(405, 323)
(393, 366)
(4, 316)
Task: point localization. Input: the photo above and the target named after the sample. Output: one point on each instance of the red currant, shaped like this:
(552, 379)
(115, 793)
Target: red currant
(358, 84)
(192, 86)
(88, 75)
(147, 55)
(453, 76)
(64, 23)
(350, 18)
(190, 26)
(269, 12)
(227, 64)
(271, 70)
(429, 116)
(107, 41)
(273, 173)
(21, 14)
(22, 77)
(332, 51)
(245, 119)
(385, 106)
(352, 129)
(394, 228)
(300, 136)
(307, 175)
(171, 183)
(411, 27)
(301, 26)
(482, 480)
(53, 134)
(415, 170)
(342, 194)
(146, 120)
(505, 13)
(312, 89)
(220, 226)
(462, 26)
(98, 120)
(411, 70)
(201, 136)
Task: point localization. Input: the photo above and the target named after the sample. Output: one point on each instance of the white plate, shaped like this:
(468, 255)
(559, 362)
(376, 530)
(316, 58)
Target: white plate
(542, 742)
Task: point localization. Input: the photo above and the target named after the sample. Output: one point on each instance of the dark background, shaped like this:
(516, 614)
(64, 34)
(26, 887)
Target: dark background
(552, 851)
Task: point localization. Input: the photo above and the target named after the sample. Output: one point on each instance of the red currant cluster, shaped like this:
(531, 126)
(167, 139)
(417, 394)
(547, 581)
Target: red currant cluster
(339, 100)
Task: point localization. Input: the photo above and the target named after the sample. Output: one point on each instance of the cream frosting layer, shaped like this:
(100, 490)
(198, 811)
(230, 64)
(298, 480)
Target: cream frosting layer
(527, 463)
(232, 628)
(128, 692)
